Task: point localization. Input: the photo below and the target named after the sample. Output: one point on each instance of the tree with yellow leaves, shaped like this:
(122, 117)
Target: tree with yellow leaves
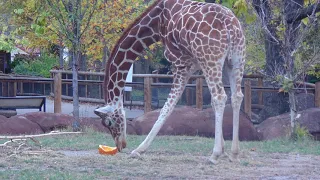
(107, 25)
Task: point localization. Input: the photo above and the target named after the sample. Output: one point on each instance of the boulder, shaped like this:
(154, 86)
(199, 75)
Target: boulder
(18, 125)
(41, 122)
(3, 119)
(8, 113)
(191, 121)
(304, 101)
(94, 123)
(247, 131)
(279, 126)
(278, 103)
(49, 121)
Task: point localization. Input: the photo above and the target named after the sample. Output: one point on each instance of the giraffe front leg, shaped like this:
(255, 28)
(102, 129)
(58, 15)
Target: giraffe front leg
(164, 113)
(179, 81)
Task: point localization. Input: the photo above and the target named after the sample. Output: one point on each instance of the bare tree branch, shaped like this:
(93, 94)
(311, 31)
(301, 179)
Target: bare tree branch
(303, 13)
(260, 6)
(39, 135)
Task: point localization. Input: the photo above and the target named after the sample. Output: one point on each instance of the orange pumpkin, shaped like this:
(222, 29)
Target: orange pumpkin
(107, 150)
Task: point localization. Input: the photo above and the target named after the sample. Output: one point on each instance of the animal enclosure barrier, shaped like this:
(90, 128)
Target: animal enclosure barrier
(91, 89)
(150, 82)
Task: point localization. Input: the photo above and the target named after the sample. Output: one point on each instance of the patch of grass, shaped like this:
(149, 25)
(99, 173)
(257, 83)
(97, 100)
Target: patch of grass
(183, 144)
(177, 144)
(46, 174)
(169, 157)
(244, 163)
(89, 140)
(284, 145)
(31, 160)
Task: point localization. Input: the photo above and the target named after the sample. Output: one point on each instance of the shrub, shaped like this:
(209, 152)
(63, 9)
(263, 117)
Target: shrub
(301, 133)
(36, 66)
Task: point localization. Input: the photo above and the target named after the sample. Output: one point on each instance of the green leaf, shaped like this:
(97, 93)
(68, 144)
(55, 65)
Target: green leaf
(305, 21)
(18, 11)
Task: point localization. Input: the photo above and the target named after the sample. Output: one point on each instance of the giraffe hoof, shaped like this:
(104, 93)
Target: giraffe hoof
(214, 159)
(224, 155)
(135, 154)
(234, 158)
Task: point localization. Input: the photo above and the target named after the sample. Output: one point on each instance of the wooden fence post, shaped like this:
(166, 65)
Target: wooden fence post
(188, 95)
(57, 92)
(14, 89)
(101, 87)
(199, 96)
(67, 85)
(4, 88)
(317, 94)
(260, 95)
(21, 87)
(247, 97)
(147, 94)
(86, 86)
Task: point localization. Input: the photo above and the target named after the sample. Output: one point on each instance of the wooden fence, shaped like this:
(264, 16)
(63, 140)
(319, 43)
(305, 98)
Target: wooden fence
(149, 81)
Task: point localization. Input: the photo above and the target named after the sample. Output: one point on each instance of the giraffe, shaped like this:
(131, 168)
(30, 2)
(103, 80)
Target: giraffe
(196, 36)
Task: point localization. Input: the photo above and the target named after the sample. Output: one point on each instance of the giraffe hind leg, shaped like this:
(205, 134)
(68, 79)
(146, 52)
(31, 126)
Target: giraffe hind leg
(218, 101)
(235, 73)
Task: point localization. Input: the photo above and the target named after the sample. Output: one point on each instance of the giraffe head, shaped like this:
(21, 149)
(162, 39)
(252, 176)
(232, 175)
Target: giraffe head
(114, 119)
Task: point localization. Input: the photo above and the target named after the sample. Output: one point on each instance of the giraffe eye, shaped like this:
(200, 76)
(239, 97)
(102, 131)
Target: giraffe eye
(110, 123)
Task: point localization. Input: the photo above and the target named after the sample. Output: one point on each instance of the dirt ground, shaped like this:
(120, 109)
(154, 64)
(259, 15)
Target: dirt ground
(163, 165)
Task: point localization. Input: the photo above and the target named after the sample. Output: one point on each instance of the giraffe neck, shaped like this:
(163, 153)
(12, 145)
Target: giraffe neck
(141, 34)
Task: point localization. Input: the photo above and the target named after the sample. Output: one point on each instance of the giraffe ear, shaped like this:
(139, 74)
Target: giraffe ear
(104, 111)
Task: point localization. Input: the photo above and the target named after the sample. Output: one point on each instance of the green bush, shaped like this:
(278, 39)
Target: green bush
(301, 133)
(37, 66)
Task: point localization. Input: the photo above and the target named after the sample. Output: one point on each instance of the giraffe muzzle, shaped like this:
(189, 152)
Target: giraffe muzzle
(121, 144)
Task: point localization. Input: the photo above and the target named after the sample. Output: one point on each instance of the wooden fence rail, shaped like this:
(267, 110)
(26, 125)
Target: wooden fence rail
(57, 81)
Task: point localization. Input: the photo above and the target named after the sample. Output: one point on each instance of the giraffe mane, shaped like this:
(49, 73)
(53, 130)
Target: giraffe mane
(124, 34)
(127, 30)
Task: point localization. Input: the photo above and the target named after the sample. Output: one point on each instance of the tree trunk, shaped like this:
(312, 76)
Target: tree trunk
(61, 57)
(83, 62)
(75, 65)
(71, 54)
(290, 45)
(274, 61)
(105, 56)
(75, 91)
(293, 112)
